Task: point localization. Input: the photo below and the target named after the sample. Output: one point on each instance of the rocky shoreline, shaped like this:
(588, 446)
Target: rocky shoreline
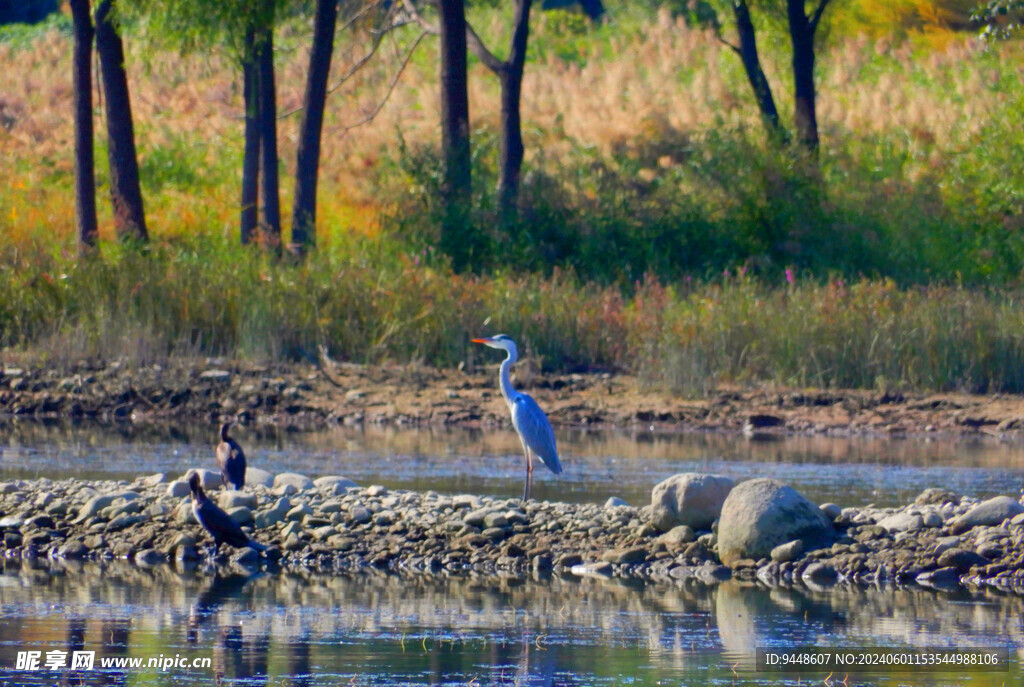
(331, 525)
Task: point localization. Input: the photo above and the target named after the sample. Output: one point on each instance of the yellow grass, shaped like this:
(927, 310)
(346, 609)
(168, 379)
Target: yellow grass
(665, 82)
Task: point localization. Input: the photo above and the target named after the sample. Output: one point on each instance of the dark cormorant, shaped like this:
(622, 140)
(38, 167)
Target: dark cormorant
(215, 521)
(231, 459)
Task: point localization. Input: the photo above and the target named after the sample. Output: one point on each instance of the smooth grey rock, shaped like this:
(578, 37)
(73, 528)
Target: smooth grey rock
(215, 376)
(475, 518)
(299, 512)
(124, 521)
(961, 560)
(902, 522)
(150, 557)
(615, 502)
(184, 514)
(12, 521)
(258, 476)
(241, 514)
(943, 578)
(677, 536)
(361, 514)
(101, 501)
(760, 514)
(73, 549)
(153, 480)
(334, 484)
(820, 573)
(209, 479)
(988, 513)
(690, 498)
(495, 519)
(831, 510)
(375, 490)
(235, 499)
(300, 482)
(178, 489)
(937, 497)
(636, 554)
(285, 490)
(790, 551)
(8, 488)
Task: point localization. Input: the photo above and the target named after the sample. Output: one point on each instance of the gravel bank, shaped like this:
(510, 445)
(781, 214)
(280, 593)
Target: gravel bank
(330, 525)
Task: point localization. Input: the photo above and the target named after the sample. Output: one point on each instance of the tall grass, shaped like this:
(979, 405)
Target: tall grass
(365, 303)
(659, 234)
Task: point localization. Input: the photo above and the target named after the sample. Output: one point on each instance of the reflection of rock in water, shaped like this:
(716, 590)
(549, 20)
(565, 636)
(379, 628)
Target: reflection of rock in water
(750, 616)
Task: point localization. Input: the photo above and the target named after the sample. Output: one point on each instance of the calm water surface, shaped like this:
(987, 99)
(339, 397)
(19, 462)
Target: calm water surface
(290, 629)
(850, 472)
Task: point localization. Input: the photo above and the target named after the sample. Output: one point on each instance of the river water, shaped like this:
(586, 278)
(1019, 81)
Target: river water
(376, 629)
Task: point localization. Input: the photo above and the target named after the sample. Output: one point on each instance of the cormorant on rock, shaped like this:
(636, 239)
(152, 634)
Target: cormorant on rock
(231, 459)
(215, 521)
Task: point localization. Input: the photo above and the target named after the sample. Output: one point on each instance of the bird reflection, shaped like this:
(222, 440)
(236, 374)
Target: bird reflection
(234, 657)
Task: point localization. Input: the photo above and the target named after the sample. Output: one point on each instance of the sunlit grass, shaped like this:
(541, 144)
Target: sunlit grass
(657, 234)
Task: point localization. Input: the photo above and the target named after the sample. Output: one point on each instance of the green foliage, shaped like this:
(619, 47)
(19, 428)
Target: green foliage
(24, 36)
(1000, 19)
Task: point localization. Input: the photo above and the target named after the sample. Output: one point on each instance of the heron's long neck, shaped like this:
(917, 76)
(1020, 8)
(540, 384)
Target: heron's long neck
(506, 383)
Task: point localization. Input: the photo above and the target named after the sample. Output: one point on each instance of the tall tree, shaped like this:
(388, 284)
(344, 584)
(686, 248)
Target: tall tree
(125, 194)
(267, 108)
(455, 144)
(245, 29)
(85, 172)
(801, 33)
(307, 161)
(747, 50)
(249, 214)
(510, 74)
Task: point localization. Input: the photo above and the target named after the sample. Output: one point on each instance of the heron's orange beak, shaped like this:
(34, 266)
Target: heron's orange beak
(483, 341)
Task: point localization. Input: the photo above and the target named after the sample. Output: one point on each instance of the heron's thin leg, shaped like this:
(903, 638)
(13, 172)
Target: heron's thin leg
(529, 475)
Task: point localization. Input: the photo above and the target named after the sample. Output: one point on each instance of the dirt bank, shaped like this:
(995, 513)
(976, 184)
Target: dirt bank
(308, 395)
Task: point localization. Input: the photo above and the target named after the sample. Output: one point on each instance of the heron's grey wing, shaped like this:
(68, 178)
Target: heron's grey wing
(535, 430)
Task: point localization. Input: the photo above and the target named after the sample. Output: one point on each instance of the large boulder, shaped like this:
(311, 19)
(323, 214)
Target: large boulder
(691, 498)
(761, 514)
(988, 513)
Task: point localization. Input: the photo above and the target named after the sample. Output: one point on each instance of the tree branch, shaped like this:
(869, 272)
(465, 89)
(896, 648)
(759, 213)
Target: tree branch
(816, 17)
(432, 29)
(391, 87)
(734, 48)
(474, 43)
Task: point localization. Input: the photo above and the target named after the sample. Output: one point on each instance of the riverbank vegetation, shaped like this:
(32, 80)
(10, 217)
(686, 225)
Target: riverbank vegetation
(659, 232)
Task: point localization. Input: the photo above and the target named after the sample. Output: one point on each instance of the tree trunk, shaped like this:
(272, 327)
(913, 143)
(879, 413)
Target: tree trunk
(801, 33)
(456, 183)
(755, 74)
(511, 161)
(308, 155)
(125, 195)
(251, 155)
(271, 219)
(85, 172)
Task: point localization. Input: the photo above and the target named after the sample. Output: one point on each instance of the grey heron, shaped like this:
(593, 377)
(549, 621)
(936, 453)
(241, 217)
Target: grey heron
(215, 521)
(231, 459)
(529, 420)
